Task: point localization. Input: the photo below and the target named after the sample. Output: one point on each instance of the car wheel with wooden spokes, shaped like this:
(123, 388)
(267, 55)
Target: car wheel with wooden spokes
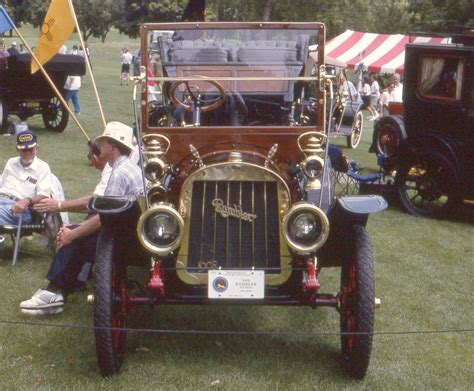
(110, 305)
(356, 134)
(55, 116)
(357, 303)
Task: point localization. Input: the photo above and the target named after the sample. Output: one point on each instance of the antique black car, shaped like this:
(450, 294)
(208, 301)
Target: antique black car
(239, 205)
(430, 142)
(24, 95)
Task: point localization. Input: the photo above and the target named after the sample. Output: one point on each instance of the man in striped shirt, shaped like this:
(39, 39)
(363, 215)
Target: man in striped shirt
(115, 146)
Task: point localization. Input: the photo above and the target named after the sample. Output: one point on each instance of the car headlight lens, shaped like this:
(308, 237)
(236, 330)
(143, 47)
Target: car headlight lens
(161, 229)
(313, 167)
(154, 169)
(306, 228)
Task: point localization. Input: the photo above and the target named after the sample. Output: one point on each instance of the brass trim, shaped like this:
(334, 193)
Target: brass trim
(233, 171)
(305, 250)
(152, 247)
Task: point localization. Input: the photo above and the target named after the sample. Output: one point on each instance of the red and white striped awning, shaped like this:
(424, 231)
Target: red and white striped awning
(383, 53)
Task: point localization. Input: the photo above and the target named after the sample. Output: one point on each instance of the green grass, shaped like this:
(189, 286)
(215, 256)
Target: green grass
(424, 276)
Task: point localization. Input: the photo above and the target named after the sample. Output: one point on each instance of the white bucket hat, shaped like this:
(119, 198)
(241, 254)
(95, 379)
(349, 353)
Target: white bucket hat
(119, 132)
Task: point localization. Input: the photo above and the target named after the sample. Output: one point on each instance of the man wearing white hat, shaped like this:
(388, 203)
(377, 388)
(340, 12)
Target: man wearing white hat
(13, 50)
(115, 146)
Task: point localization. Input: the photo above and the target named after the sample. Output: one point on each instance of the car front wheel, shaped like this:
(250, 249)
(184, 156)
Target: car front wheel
(357, 304)
(110, 309)
(356, 134)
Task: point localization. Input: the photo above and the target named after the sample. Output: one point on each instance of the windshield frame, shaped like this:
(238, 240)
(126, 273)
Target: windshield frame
(318, 93)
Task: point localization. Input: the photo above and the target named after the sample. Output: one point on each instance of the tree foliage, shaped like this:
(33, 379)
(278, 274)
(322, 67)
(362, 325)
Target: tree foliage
(96, 17)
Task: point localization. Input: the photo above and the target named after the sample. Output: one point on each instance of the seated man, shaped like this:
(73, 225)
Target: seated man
(76, 245)
(26, 180)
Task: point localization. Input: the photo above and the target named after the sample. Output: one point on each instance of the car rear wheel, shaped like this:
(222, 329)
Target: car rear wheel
(357, 304)
(388, 134)
(3, 115)
(55, 116)
(427, 185)
(110, 309)
(356, 134)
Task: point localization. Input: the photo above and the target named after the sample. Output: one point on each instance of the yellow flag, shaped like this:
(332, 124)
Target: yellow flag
(56, 29)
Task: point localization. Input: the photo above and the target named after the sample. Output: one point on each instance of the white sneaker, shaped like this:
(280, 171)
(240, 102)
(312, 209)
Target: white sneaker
(43, 299)
(44, 311)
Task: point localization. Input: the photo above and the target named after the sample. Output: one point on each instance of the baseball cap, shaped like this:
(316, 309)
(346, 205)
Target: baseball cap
(13, 43)
(26, 139)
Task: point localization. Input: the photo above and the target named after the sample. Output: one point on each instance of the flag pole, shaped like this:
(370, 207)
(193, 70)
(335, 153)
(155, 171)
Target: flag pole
(86, 58)
(52, 85)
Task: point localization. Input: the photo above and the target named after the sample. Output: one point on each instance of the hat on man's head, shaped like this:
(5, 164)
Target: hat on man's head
(119, 132)
(13, 43)
(26, 139)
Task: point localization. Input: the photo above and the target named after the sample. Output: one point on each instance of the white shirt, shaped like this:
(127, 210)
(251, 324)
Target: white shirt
(23, 182)
(397, 94)
(126, 58)
(104, 179)
(73, 83)
(375, 88)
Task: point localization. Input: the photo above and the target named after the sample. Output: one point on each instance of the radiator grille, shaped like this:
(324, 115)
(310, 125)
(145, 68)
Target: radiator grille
(233, 242)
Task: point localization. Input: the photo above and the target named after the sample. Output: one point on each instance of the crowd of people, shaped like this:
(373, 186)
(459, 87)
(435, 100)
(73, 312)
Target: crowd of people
(376, 99)
(26, 188)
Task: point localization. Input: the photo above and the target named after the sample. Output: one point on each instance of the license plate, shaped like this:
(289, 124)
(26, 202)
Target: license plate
(236, 284)
(32, 105)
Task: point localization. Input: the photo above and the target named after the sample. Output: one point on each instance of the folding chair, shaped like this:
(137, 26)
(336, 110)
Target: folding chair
(45, 224)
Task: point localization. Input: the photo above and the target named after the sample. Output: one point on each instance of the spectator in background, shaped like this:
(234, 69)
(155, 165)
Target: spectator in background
(71, 87)
(23, 49)
(13, 51)
(386, 97)
(347, 87)
(136, 62)
(74, 50)
(398, 88)
(125, 60)
(374, 96)
(3, 55)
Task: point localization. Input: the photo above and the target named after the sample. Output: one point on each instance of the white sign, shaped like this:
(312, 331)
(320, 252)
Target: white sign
(236, 284)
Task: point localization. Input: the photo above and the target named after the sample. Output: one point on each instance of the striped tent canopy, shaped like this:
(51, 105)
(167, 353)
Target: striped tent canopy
(383, 53)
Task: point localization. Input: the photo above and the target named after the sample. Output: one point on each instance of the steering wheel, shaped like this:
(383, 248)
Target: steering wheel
(192, 96)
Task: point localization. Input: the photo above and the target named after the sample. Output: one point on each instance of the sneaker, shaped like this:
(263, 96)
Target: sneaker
(43, 311)
(43, 299)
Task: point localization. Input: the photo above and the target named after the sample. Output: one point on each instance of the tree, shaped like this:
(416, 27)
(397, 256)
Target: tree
(129, 14)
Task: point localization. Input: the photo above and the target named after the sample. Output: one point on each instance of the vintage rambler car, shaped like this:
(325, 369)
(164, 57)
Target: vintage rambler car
(239, 205)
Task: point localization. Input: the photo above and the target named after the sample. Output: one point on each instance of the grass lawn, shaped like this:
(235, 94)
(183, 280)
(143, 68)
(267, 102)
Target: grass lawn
(424, 276)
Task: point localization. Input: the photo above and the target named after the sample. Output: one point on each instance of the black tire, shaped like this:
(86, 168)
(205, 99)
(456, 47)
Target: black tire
(356, 133)
(389, 132)
(3, 115)
(428, 185)
(55, 116)
(357, 304)
(110, 283)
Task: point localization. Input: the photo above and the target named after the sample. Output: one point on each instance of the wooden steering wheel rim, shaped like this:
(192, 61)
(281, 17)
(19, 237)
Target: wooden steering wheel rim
(204, 109)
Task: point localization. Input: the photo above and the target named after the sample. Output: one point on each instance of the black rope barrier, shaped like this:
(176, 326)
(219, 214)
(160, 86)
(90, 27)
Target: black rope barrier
(236, 333)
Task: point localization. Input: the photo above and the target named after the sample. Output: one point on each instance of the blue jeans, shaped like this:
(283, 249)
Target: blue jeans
(69, 260)
(8, 217)
(73, 95)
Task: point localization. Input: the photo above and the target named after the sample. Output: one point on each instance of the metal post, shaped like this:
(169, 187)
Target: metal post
(17, 240)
